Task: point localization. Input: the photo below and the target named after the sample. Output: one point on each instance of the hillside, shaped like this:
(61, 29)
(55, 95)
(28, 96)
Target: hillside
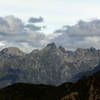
(87, 88)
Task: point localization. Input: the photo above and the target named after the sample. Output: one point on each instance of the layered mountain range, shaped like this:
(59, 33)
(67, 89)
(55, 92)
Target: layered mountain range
(87, 88)
(51, 65)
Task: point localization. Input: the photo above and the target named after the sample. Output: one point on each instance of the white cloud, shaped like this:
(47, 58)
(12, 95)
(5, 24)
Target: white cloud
(2, 44)
(83, 34)
(56, 12)
(15, 32)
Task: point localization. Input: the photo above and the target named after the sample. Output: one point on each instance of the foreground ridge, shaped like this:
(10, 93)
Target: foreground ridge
(87, 88)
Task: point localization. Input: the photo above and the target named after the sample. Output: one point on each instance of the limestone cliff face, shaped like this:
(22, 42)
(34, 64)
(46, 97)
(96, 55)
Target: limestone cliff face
(51, 65)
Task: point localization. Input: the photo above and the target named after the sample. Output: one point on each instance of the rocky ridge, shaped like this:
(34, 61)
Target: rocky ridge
(87, 88)
(51, 65)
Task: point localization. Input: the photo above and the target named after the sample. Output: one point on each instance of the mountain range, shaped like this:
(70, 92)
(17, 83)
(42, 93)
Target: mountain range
(51, 65)
(87, 88)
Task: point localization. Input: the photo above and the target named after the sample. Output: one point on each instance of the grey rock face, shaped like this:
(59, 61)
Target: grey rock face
(12, 51)
(50, 65)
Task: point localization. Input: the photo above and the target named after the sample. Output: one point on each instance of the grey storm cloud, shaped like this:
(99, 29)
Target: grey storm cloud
(83, 34)
(11, 25)
(36, 20)
(82, 28)
(33, 27)
(3, 22)
(14, 31)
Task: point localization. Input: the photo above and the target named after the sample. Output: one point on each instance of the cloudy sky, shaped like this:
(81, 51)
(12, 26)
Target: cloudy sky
(32, 24)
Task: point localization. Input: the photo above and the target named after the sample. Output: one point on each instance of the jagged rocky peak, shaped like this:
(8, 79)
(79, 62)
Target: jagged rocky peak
(12, 51)
(51, 45)
(82, 50)
(62, 49)
(35, 51)
(92, 49)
